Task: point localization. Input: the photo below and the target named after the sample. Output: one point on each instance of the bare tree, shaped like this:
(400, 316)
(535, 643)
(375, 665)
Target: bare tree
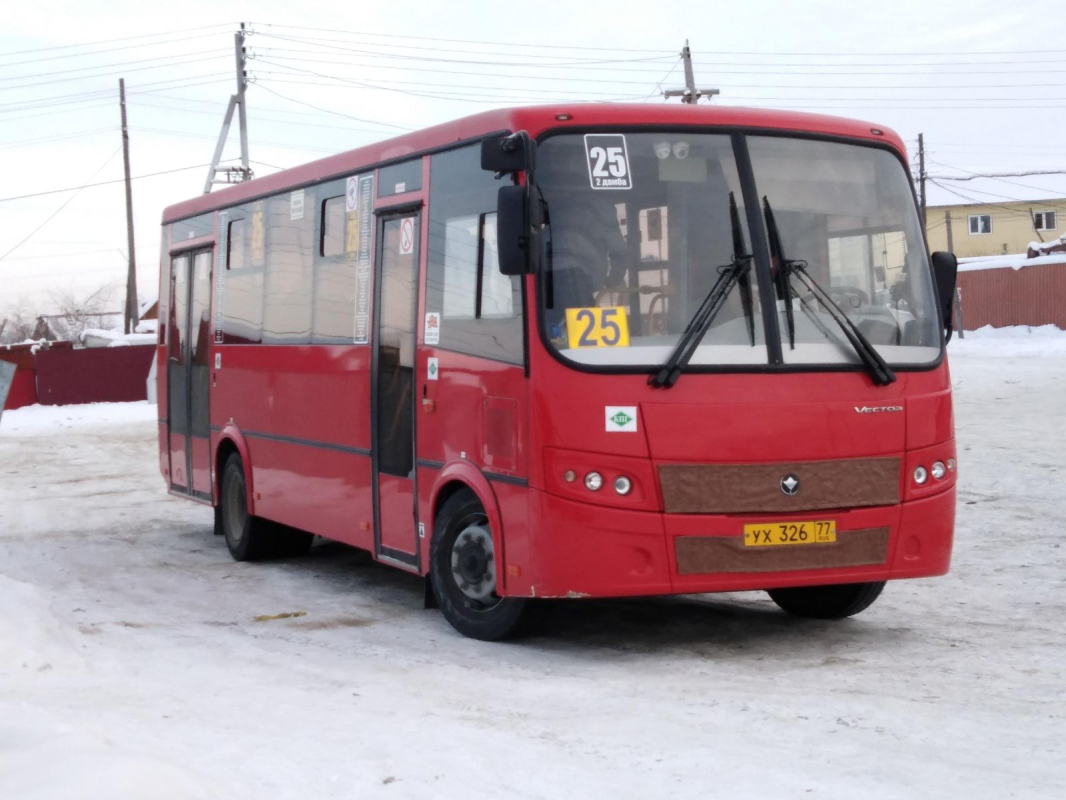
(17, 322)
(76, 312)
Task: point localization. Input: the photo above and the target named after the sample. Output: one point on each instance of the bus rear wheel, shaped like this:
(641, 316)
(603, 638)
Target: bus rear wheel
(463, 574)
(251, 538)
(827, 602)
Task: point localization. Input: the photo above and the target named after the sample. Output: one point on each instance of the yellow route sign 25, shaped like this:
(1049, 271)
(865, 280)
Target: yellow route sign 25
(597, 327)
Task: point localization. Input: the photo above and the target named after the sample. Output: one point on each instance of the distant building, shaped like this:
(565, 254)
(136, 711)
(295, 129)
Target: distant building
(994, 228)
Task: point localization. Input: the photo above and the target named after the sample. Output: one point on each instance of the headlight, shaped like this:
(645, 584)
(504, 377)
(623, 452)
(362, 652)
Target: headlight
(920, 475)
(938, 470)
(594, 481)
(622, 484)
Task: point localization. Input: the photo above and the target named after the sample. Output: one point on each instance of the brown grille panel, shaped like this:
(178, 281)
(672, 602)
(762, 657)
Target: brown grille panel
(703, 554)
(756, 488)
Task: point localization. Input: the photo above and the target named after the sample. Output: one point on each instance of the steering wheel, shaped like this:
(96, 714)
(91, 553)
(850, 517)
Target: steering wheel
(848, 296)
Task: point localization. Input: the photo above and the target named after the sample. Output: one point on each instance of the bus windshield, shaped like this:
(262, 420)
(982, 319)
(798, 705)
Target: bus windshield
(640, 230)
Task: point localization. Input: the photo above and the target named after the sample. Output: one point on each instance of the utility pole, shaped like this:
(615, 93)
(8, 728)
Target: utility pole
(690, 94)
(921, 176)
(236, 102)
(130, 316)
(947, 221)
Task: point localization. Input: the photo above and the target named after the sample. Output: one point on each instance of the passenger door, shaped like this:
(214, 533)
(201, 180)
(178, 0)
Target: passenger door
(392, 392)
(188, 373)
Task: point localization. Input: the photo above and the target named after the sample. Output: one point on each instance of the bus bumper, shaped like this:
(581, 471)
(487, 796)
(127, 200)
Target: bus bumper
(581, 550)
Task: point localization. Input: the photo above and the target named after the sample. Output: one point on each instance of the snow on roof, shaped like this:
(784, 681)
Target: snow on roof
(1015, 261)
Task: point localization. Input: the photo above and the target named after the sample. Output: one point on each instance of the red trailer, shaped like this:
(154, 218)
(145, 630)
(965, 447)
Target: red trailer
(592, 351)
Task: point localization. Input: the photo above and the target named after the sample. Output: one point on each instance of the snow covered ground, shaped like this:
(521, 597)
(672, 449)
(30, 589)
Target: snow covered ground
(132, 664)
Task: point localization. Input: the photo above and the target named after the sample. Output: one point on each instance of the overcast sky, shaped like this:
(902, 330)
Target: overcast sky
(984, 81)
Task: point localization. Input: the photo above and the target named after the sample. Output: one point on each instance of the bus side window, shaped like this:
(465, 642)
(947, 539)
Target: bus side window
(235, 247)
(481, 309)
(333, 303)
(242, 278)
(331, 241)
(289, 264)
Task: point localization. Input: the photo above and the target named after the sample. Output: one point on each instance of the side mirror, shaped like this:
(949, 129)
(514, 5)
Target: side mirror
(514, 153)
(513, 239)
(945, 272)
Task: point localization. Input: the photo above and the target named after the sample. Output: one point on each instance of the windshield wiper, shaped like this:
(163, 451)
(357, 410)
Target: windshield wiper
(736, 271)
(880, 372)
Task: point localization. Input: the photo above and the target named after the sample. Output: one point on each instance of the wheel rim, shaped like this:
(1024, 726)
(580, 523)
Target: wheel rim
(235, 509)
(473, 569)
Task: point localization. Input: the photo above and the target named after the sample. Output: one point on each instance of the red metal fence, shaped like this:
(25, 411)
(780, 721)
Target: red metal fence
(93, 375)
(1032, 295)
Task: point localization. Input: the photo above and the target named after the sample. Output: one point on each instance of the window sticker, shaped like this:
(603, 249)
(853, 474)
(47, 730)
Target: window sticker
(431, 334)
(358, 249)
(608, 161)
(597, 327)
(296, 204)
(258, 234)
(407, 236)
(432, 369)
(351, 194)
(620, 419)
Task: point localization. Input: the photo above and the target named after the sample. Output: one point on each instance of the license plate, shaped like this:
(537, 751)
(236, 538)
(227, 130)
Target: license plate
(770, 534)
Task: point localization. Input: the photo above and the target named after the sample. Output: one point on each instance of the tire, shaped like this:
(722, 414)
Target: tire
(250, 538)
(462, 555)
(827, 602)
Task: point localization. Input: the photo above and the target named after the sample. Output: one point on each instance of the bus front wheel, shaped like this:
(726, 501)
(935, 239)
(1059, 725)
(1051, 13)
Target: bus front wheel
(463, 574)
(827, 602)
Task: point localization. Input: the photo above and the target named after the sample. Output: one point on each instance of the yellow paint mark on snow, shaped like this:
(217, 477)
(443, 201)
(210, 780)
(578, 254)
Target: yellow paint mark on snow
(286, 615)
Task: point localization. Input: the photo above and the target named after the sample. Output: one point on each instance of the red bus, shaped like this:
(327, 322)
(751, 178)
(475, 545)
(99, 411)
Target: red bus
(593, 351)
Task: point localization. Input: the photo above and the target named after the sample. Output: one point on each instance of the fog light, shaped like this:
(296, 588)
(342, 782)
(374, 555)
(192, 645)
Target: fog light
(920, 475)
(938, 470)
(622, 484)
(569, 476)
(594, 481)
(951, 465)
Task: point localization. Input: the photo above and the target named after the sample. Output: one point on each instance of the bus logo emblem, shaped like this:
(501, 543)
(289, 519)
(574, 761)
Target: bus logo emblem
(790, 484)
(621, 419)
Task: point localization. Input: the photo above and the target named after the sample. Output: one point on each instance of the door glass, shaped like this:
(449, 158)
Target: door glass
(396, 345)
(199, 340)
(178, 343)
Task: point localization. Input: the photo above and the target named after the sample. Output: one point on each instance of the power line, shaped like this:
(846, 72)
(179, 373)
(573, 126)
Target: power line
(331, 111)
(215, 51)
(61, 207)
(106, 74)
(122, 39)
(462, 41)
(647, 50)
(976, 202)
(665, 78)
(456, 89)
(101, 183)
(96, 94)
(57, 138)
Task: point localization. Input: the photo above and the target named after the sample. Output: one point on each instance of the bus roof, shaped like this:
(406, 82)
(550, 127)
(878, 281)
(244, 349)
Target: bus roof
(535, 119)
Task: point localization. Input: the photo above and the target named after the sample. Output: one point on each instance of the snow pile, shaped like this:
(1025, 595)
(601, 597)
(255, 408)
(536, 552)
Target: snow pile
(1012, 341)
(99, 337)
(42, 419)
(52, 761)
(30, 635)
(1013, 261)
